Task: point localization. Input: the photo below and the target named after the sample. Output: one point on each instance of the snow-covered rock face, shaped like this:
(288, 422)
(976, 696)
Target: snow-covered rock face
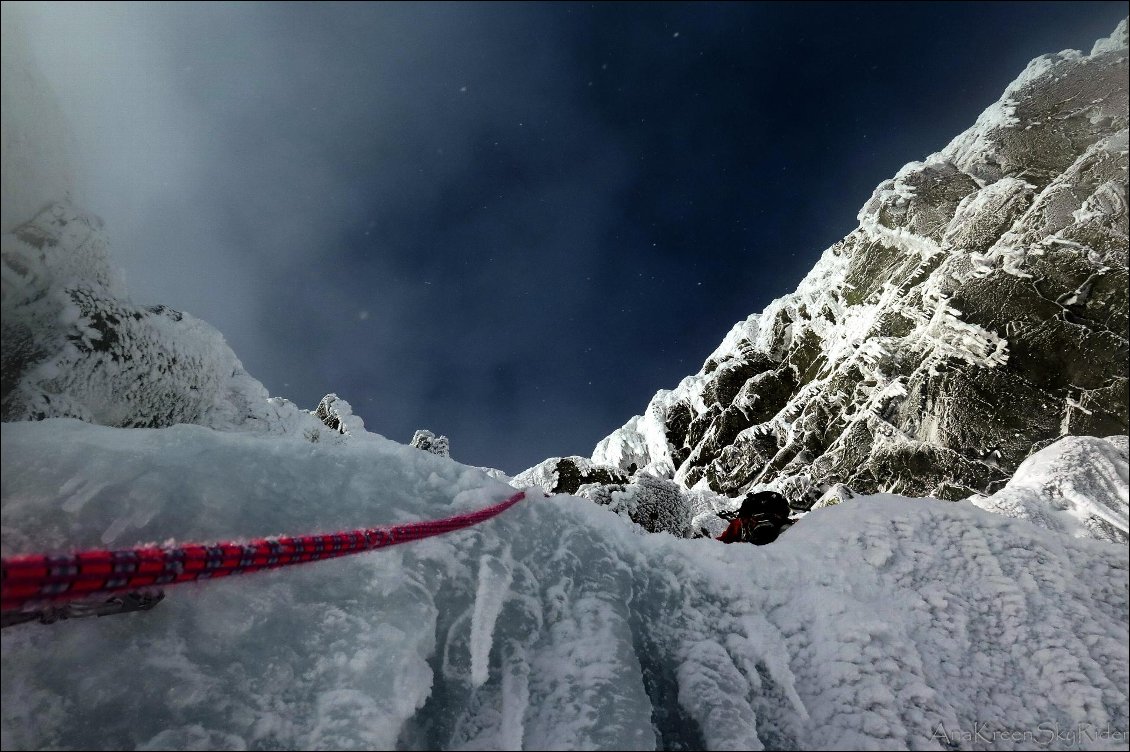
(75, 346)
(978, 313)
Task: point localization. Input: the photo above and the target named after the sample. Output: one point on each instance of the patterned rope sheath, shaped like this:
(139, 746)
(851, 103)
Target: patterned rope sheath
(36, 581)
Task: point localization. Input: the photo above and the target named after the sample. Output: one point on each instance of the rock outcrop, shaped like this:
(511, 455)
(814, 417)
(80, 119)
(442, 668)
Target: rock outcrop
(567, 475)
(977, 314)
(429, 442)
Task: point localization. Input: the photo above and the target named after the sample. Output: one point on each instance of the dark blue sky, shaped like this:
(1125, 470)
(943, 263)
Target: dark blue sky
(509, 223)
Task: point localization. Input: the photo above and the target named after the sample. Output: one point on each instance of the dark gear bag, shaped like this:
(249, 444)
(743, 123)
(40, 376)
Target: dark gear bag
(759, 530)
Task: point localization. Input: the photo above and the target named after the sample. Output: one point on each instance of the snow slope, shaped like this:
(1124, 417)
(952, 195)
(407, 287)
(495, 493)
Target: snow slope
(1078, 486)
(879, 623)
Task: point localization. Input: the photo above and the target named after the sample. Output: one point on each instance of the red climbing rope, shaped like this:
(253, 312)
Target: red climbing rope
(40, 579)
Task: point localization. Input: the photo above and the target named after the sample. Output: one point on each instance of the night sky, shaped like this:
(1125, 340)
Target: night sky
(510, 223)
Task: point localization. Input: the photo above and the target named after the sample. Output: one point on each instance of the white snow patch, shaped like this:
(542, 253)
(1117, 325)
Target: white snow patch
(1077, 486)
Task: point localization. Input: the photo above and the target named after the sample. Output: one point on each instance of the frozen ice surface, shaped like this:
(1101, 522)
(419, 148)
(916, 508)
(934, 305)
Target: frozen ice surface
(877, 623)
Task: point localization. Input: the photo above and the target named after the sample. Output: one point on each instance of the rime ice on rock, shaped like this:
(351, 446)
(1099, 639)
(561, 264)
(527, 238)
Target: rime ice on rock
(429, 442)
(327, 412)
(655, 504)
(978, 313)
(568, 474)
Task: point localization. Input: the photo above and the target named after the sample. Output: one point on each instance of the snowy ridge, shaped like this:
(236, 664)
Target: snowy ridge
(76, 346)
(991, 273)
(876, 623)
(1078, 486)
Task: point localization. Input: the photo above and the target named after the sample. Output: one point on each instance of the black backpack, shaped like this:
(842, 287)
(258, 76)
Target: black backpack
(765, 515)
(759, 530)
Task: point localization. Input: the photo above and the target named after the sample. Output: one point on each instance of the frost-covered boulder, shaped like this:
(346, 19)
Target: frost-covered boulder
(567, 474)
(1078, 486)
(335, 414)
(655, 504)
(327, 412)
(659, 505)
(977, 313)
(837, 494)
(429, 442)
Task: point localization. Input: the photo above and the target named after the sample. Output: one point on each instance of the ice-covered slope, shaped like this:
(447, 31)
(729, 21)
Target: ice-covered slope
(977, 313)
(874, 624)
(1078, 486)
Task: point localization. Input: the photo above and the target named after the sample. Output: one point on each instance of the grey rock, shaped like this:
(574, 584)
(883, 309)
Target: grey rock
(568, 474)
(327, 412)
(429, 442)
(977, 314)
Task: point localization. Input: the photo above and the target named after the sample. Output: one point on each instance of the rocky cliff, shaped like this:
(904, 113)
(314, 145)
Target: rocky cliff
(976, 314)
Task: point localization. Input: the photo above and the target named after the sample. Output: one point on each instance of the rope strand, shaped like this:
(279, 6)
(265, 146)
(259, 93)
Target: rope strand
(42, 579)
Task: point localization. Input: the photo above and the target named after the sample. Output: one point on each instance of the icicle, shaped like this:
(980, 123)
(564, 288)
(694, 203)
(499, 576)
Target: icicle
(494, 584)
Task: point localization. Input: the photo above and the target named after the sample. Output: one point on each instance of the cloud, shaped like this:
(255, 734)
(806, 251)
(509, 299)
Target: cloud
(277, 169)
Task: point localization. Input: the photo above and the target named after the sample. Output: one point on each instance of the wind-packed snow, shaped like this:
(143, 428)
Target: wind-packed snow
(1077, 486)
(876, 623)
